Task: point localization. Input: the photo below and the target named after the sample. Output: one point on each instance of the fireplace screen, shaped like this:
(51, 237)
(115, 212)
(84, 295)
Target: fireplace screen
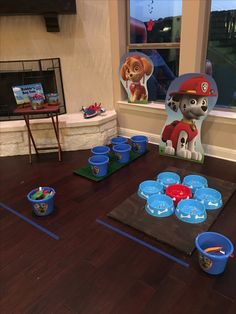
(46, 72)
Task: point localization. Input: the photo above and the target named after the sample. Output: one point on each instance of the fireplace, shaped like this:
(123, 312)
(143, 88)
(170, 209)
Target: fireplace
(24, 72)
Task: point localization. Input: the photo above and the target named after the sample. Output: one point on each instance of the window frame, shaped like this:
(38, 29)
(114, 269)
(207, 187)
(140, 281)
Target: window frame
(147, 46)
(166, 45)
(119, 19)
(207, 14)
(202, 13)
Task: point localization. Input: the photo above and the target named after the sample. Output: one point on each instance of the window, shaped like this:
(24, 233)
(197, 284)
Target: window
(154, 29)
(221, 52)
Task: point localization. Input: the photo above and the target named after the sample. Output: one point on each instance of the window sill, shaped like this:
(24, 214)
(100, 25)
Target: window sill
(227, 117)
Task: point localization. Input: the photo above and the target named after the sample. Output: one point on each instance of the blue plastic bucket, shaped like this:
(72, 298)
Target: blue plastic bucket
(195, 182)
(42, 207)
(99, 165)
(213, 263)
(210, 198)
(139, 143)
(168, 178)
(159, 205)
(148, 188)
(191, 211)
(118, 140)
(122, 153)
(100, 150)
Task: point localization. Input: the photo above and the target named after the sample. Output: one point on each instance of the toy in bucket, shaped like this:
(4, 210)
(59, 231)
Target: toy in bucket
(99, 165)
(214, 249)
(42, 200)
(37, 101)
(139, 143)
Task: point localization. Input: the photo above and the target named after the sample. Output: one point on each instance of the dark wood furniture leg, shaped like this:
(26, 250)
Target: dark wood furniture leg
(30, 138)
(56, 129)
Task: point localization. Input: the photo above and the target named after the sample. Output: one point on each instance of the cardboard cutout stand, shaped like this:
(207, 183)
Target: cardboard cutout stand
(189, 100)
(135, 69)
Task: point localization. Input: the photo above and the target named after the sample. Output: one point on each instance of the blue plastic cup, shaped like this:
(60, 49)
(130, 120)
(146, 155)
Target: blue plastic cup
(100, 150)
(213, 263)
(99, 165)
(122, 152)
(139, 143)
(42, 207)
(118, 140)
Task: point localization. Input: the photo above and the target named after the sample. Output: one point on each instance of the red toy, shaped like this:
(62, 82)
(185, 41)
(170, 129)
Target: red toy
(93, 110)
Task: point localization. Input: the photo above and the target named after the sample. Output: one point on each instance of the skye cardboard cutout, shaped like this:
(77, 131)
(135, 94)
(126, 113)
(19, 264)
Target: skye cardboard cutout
(135, 70)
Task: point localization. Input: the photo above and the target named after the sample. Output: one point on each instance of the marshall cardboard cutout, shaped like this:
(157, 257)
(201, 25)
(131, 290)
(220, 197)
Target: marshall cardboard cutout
(189, 99)
(135, 69)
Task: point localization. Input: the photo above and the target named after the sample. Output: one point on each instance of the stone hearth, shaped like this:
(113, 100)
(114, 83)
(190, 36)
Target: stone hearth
(76, 133)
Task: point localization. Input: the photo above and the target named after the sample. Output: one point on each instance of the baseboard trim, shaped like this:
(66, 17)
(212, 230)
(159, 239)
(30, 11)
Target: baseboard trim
(210, 150)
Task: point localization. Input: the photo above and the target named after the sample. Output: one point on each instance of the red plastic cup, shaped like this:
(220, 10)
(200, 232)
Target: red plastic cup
(178, 192)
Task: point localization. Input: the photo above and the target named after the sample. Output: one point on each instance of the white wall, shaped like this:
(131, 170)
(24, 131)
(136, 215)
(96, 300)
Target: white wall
(83, 45)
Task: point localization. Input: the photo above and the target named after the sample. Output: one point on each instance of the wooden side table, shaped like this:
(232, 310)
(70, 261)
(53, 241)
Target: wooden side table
(51, 111)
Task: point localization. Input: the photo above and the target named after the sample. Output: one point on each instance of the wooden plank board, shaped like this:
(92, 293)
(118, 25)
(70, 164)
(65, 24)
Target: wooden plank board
(171, 230)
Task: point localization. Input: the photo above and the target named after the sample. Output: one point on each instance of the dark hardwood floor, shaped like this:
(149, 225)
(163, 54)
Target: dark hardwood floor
(91, 269)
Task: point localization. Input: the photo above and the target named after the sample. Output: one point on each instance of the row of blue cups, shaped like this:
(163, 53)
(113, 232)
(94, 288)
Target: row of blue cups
(138, 142)
(101, 153)
(99, 161)
(121, 149)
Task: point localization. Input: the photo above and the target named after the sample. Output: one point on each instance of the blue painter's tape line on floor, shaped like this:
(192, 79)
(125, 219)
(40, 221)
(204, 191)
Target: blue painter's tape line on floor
(150, 247)
(31, 222)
